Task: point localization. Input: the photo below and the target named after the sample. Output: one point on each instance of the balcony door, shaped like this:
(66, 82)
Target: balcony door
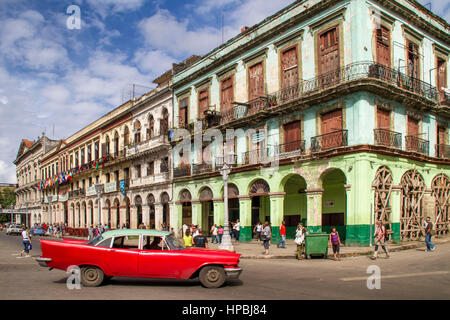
(413, 59)
(383, 36)
(255, 81)
(183, 113)
(203, 103)
(289, 68)
(384, 124)
(440, 141)
(227, 98)
(292, 136)
(329, 56)
(413, 133)
(441, 77)
(331, 126)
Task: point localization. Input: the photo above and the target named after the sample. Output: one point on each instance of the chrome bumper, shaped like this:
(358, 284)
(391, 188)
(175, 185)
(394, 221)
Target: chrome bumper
(233, 273)
(43, 261)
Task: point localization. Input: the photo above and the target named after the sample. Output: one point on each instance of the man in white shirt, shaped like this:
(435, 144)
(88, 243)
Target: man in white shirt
(214, 233)
(237, 228)
(26, 242)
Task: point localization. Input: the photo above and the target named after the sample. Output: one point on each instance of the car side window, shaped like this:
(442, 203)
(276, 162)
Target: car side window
(105, 243)
(153, 243)
(126, 242)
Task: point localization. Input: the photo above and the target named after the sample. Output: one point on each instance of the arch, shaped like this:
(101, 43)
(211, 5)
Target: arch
(411, 211)
(233, 191)
(205, 194)
(332, 175)
(441, 191)
(259, 187)
(382, 197)
(150, 199)
(138, 200)
(164, 198)
(164, 122)
(185, 196)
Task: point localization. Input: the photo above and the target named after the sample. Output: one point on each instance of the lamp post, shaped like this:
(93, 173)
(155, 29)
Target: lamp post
(12, 214)
(99, 190)
(49, 199)
(226, 238)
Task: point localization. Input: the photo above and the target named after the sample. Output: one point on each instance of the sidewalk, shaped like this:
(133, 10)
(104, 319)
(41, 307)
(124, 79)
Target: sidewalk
(255, 249)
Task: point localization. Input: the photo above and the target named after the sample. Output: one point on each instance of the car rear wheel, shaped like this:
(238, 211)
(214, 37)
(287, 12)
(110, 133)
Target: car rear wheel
(212, 276)
(92, 276)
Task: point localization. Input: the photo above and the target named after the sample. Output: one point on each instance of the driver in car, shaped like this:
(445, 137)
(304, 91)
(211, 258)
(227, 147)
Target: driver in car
(155, 245)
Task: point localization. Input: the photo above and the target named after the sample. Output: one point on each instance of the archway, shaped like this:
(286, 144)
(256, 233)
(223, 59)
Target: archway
(294, 203)
(127, 213)
(138, 205)
(259, 193)
(334, 202)
(186, 202)
(382, 198)
(166, 209)
(233, 202)
(411, 211)
(441, 192)
(207, 209)
(151, 211)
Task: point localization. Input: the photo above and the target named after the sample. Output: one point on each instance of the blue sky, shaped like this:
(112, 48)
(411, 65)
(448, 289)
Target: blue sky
(53, 76)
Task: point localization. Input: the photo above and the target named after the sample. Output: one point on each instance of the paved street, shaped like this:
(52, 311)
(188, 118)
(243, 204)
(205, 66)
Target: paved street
(409, 274)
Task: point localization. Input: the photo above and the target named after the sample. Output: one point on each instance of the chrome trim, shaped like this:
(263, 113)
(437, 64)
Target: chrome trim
(233, 273)
(43, 261)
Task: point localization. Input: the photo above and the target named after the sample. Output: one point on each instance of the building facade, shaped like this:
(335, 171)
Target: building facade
(340, 118)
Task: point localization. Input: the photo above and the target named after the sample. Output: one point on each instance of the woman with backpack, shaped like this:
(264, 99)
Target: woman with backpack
(265, 236)
(335, 242)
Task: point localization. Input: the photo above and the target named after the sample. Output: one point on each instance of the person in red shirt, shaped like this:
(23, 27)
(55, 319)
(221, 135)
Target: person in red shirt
(283, 235)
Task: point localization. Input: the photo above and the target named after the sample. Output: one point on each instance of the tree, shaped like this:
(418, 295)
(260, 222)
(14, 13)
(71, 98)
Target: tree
(7, 198)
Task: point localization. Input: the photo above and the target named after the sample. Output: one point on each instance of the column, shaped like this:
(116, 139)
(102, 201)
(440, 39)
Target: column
(158, 215)
(395, 212)
(146, 215)
(176, 218)
(196, 213)
(314, 210)
(245, 218)
(276, 214)
(218, 212)
(133, 217)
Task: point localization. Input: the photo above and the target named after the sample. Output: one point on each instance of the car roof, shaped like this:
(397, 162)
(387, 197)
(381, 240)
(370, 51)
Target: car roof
(124, 232)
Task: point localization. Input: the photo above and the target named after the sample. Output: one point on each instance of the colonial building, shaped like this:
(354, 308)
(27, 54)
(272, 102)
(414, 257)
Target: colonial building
(340, 116)
(28, 195)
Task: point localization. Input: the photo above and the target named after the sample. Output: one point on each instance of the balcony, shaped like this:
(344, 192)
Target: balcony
(182, 171)
(387, 138)
(256, 156)
(146, 145)
(416, 144)
(290, 149)
(201, 168)
(329, 141)
(76, 193)
(443, 151)
(231, 160)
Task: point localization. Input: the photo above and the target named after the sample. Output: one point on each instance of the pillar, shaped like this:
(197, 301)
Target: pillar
(245, 218)
(395, 212)
(218, 212)
(158, 216)
(276, 214)
(314, 210)
(176, 218)
(196, 213)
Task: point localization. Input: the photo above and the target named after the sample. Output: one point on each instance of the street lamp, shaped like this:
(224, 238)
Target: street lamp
(226, 238)
(12, 214)
(49, 199)
(99, 190)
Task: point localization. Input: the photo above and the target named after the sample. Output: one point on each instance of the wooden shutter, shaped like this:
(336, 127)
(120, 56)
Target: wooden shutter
(331, 122)
(441, 135)
(383, 36)
(183, 116)
(441, 77)
(413, 59)
(203, 102)
(413, 127)
(383, 118)
(227, 94)
(255, 81)
(289, 68)
(292, 136)
(329, 51)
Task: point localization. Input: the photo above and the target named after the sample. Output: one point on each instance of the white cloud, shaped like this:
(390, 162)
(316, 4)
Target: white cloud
(154, 62)
(439, 7)
(104, 7)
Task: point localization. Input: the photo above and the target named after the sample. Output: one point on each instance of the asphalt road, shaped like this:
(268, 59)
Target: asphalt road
(410, 274)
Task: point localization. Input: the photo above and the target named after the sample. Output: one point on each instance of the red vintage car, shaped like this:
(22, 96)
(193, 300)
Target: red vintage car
(139, 253)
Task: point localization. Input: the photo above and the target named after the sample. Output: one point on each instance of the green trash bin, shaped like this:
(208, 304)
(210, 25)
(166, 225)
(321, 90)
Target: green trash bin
(316, 244)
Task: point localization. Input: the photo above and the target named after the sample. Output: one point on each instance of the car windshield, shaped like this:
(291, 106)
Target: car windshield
(174, 243)
(94, 241)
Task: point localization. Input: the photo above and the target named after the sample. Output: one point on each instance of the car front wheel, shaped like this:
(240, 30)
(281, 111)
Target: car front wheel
(92, 276)
(212, 276)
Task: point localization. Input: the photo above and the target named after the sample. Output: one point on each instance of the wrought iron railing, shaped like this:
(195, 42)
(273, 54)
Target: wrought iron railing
(330, 140)
(443, 151)
(255, 156)
(201, 168)
(416, 144)
(182, 171)
(289, 149)
(384, 137)
(231, 160)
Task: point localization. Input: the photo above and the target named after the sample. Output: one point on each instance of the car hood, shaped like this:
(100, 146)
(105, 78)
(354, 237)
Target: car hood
(210, 251)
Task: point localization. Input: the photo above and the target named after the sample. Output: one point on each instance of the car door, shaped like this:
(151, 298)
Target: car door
(123, 256)
(157, 261)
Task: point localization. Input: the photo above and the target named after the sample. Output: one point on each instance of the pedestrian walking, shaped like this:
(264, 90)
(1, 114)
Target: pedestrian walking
(187, 239)
(428, 235)
(220, 233)
(214, 234)
(283, 235)
(380, 236)
(300, 241)
(196, 231)
(26, 240)
(257, 230)
(201, 241)
(237, 229)
(90, 233)
(265, 236)
(335, 242)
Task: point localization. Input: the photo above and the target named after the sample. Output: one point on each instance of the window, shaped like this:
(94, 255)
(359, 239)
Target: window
(151, 127)
(82, 156)
(164, 165)
(383, 119)
(96, 149)
(331, 122)
(89, 153)
(441, 77)
(105, 243)
(76, 159)
(413, 59)
(151, 168)
(329, 50)
(126, 137)
(90, 182)
(108, 178)
(256, 81)
(71, 162)
(292, 136)
(383, 36)
(137, 134)
(183, 113)
(126, 242)
(153, 243)
(97, 179)
(227, 94)
(203, 103)
(138, 171)
(289, 68)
